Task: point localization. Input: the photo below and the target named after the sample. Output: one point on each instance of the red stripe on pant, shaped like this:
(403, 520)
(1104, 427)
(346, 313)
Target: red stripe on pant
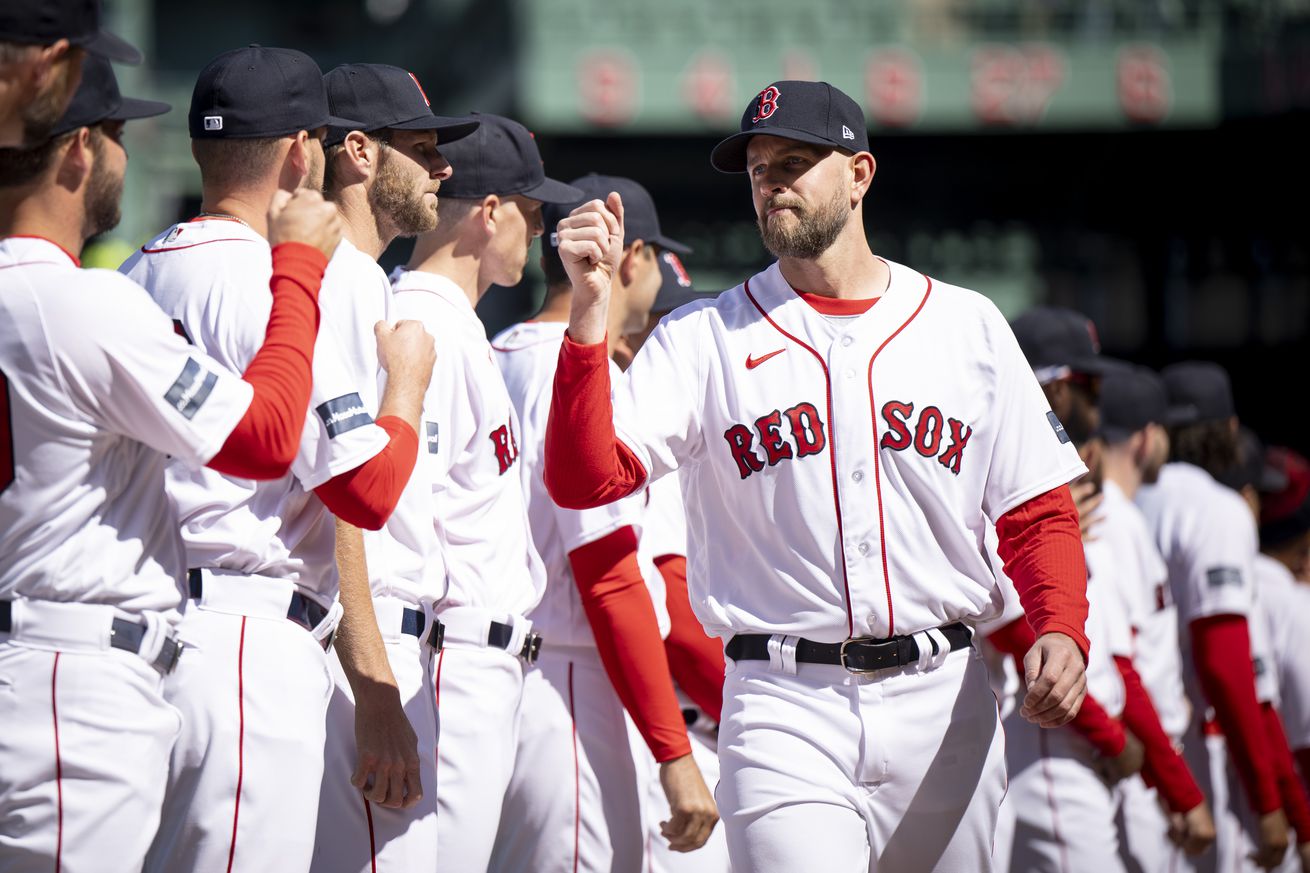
(241, 742)
(372, 844)
(577, 786)
(59, 766)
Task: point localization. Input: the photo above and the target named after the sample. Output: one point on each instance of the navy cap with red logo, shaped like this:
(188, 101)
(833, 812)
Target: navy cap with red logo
(676, 289)
(501, 158)
(98, 99)
(810, 112)
(640, 220)
(1199, 392)
(260, 92)
(45, 22)
(383, 97)
(1284, 508)
(1131, 398)
(1060, 342)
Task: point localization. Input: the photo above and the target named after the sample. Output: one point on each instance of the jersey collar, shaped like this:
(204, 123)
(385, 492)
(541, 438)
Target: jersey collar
(48, 243)
(403, 279)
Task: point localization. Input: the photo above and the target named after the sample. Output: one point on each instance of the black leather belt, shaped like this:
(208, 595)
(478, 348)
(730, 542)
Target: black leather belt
(858, 655)
(123, 634)
(412, 622)
(500, 635)
(304, 611)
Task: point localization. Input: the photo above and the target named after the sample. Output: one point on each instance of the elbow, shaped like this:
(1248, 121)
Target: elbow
(365, 515)
(564, 492)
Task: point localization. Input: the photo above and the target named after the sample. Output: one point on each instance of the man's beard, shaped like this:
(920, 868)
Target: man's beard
(314, 178)
(102, 201)
(393, 198)
(813, 232)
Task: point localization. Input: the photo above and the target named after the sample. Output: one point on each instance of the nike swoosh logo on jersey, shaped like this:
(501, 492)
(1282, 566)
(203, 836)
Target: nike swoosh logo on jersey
(752, 363)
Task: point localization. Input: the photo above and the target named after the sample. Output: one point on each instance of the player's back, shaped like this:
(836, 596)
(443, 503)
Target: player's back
(98, 392)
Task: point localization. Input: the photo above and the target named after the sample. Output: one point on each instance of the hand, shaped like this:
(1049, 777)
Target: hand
(1087, 499)
(1192, 831)
(694, 812)
(304, 217)
(387, 770)
(406, 350)
(1273, 840)
(1057, 681)
(591, 246)
(1127, 762)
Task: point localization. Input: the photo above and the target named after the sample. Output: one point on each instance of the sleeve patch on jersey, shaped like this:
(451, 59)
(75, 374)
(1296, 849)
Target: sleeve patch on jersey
(434, 442)
(191, 389)
(1217, 577)
(343, 414)
(1057, 426)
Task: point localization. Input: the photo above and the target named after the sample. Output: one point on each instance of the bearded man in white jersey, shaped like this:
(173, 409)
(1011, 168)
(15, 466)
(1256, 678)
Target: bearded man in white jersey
(579, 790)
(97, 393)
(246, 772)
(838, 422)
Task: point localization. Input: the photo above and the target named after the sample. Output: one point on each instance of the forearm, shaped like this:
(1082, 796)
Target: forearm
(358, 641)
(265, 440)
(402, 398)
(1290, 788)
(367, 495)
(1164, 769)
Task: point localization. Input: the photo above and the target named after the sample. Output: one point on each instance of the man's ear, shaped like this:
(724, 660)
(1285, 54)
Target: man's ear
(863, 168)
(361, 155)
(631, 261)
(490, 204)
(76, 162)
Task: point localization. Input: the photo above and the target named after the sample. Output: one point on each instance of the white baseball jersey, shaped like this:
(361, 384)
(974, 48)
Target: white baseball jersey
(840, 472)
(1143, 585)
(526, 354)
(98, 391)
(476, 494)
(1285, 604)
(1207, 536)
(211, 276)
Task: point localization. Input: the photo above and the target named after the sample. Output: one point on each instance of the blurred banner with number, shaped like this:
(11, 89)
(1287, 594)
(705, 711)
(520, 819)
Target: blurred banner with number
(681, 66)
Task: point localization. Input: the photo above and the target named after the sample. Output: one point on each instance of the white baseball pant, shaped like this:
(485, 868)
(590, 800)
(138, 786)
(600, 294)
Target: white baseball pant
(1063, 812)
(354, 835)
(1143, 824)
(576, 797)
(822, 769)
(709, 858)
(253, 688)
(84, 744)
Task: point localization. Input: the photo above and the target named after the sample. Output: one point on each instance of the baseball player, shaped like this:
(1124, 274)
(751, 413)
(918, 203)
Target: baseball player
(1281, 571)
(1169, 803)
(42, 44)
(98, 392)
(246, 770)
(383, 175)
(1207, 537)
(489, 214)
(837, 420)
(577, 796)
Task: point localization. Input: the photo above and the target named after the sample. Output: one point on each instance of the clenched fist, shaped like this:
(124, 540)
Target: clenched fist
(304, 217)
(591, 246)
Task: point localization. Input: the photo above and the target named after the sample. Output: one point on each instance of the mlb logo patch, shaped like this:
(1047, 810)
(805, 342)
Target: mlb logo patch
(173, 234)
(213, 122)
(343, 414)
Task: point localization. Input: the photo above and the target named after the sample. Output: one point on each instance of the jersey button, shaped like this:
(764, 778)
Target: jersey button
(864, 548)
(858, 476)
(846, 341)
(849, 374)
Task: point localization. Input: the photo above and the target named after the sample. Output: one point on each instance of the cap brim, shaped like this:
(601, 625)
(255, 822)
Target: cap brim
(552, 191)
(671, 244)
(113, 48)
(729, 156)
(447, 129)
(134, 108)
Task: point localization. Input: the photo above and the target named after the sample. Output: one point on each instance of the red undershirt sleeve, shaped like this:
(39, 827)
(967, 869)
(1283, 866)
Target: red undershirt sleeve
(622, 618)
(1164, 768)
(586, 464)
(1289, 787)
(1221, 649)
(367, 495)
(1042, 549)
(695, 658)
(1092, 722)
(265, 440)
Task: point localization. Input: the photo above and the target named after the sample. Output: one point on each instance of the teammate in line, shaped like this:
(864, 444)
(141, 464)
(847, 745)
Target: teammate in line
(254, 685)
(833, 379)
(577, 799)
(98, 393)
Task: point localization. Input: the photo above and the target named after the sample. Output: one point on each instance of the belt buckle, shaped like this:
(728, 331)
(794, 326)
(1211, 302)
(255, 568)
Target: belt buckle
(531, 648)
(845, 662)
(170, 652)
(437, 635)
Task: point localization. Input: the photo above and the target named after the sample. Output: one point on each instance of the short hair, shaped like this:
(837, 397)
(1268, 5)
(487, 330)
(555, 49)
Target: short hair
(21, 166)
(13, 52)
(236, 163)
(1210, 445)
(452, 210)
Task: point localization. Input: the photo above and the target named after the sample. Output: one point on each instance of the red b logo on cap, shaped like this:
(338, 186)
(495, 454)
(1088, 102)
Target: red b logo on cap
(420, 90)
(768, 104)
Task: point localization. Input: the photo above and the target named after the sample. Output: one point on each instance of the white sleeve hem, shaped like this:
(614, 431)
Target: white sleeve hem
(1050, 483)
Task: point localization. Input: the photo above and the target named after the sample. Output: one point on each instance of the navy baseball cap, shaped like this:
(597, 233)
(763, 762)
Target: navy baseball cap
(1131, 398)
(260, 92)
(1199, 391)
(1059, 342)
(1284, 508)
(98, 99)
(812, 112)
(677, 289)
(501, 158)
(45, 22)
(381, 97)
(640, 220)
(1251, 467)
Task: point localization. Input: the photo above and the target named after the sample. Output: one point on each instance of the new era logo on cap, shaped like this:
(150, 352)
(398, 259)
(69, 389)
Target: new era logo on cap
(847, 133)
(213, 122)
